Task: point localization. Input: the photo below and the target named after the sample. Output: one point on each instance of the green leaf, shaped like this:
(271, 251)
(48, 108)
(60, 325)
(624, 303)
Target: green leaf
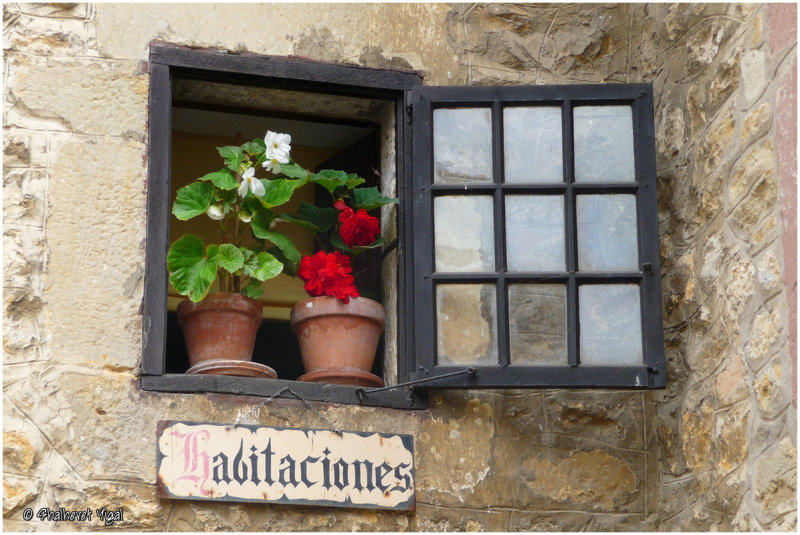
(233, 156)
(329, 179)
(223, 179)
(262, 266)
(230, 257)
(284, 244)
(278, 191)
(289, 218)
(260, 221)
(289, 267)
(374, 245)
(193, 200)
(253, 290)
(255, 147)
(191, 271)
(353, 181)
(292, 170)
(336, 241)
(369, 199)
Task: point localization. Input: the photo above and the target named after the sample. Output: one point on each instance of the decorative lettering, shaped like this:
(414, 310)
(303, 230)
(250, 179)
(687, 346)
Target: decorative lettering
(212, 461)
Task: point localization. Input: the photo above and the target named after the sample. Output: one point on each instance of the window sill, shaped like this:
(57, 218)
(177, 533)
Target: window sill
(400, 398)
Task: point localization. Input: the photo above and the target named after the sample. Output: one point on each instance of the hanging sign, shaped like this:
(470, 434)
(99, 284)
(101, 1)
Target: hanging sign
(202, 461)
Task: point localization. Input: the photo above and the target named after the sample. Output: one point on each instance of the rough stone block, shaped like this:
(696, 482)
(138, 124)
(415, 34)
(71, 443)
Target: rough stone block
(42, 36)
(704, 41)
(769, 272)
(730, 436)
(457, 519)
(773, 390)
(19, 454)
(755, 165)
(18, 492)
(761, 200)
(680, 498)
(613, 418)
(454, 454)
(757, 36)
(517, 413)
(730, 383)
(77, 95)
(754, 75)
(590, 479)
(764, 335)
(757, 123)
(696, 434)
(24, 198)
(709, 154)
(775, 483)
(98, 196)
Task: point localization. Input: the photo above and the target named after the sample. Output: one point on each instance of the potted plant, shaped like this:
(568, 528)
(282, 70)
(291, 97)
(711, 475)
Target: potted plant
(338, 331)
(220, 327)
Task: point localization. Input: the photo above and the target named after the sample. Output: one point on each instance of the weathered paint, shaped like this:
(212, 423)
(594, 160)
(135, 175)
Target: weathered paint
(202, 461)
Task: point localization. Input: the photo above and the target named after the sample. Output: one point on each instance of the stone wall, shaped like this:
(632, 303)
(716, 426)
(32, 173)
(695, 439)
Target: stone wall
(715, 451)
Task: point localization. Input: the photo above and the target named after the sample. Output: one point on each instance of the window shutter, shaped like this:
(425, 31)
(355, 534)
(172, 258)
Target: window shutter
(535, 237)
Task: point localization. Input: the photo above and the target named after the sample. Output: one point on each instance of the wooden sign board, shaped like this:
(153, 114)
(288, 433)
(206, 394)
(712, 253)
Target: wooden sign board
(203, 461)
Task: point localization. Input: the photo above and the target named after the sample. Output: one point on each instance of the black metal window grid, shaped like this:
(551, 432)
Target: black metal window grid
(421, 291)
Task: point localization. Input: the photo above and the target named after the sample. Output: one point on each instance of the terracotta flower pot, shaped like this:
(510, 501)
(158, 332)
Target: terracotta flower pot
(222, 326)
(338, 341)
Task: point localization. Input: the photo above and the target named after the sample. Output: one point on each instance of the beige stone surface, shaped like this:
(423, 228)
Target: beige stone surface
(714, 451)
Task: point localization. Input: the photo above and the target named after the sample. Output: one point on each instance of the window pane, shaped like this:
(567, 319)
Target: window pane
(610, 324)
(538, 323)
(535, 232)
(462, 145)
(607, 233)
(603, 144)
(532, 140)
(466, 324)
(464, 233)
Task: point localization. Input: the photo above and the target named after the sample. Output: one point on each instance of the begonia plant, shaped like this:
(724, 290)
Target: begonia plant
(243, 205)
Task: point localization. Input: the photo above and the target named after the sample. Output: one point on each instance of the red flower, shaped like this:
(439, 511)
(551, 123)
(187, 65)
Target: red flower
(328, 274)
(361, 229)
(347, 212)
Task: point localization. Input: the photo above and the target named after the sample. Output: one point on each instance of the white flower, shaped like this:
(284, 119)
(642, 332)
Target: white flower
(245, 217)
(215, 212)
(251, 182)
(278, 146)
(272, 165)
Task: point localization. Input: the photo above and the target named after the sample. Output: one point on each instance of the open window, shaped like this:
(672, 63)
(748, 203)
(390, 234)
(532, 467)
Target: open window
(339, 117)
(524, 251)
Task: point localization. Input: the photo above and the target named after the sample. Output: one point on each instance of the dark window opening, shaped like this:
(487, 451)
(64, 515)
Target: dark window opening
(342, 117)
(354, 148)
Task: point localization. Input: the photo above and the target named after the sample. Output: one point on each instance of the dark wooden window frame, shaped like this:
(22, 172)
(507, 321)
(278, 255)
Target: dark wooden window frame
(416, 277)
(168, 62)
(420, 290)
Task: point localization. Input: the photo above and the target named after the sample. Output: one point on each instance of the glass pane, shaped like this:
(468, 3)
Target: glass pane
(464, 233)
(537, 316)
(462, 145)
(532, 140)
(610, 324)
(535, 232)
(466, 324)
(603, 144)
(607, 236)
